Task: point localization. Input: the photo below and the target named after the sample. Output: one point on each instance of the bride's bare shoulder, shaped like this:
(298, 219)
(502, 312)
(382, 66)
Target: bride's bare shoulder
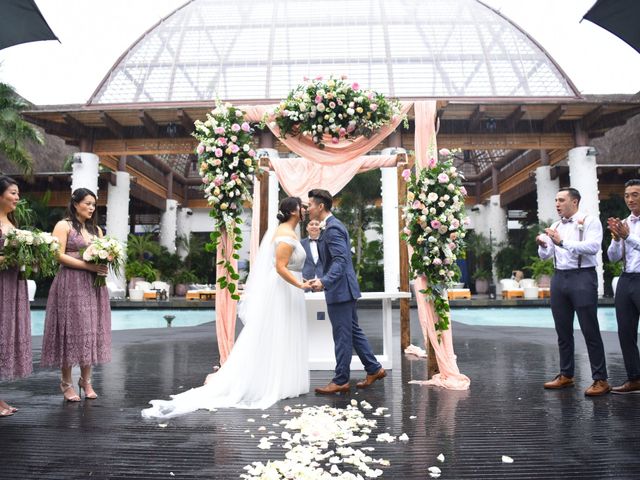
(285, 231)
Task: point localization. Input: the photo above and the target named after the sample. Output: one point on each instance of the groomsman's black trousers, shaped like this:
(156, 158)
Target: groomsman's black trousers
(576, 291)
(627, 312)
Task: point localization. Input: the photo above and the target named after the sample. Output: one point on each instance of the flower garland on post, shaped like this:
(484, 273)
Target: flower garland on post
(333, 110)
(435, 227)
(228, 164)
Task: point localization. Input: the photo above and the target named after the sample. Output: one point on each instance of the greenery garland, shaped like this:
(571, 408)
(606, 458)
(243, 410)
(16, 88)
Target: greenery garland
(334, 108)
(228, 164)
(435, 220)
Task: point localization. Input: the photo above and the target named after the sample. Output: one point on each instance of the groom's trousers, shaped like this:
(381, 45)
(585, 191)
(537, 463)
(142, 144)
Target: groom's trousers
(347, 336)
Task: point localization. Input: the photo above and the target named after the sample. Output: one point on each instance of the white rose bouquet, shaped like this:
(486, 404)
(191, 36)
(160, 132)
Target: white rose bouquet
(33, 252)
(104, 251)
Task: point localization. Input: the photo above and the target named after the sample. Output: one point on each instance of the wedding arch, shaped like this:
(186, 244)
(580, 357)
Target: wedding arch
(330, 164)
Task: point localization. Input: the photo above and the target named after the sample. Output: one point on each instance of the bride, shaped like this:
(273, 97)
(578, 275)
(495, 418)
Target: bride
(269, 361)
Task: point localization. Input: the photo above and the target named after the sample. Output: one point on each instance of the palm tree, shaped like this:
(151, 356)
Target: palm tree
(14, 131)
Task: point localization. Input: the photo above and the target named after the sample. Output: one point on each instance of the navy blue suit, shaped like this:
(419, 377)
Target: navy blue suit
(341, 292)
(310, 269)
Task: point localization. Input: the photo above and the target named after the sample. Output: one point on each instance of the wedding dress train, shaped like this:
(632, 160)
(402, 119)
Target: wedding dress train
(269, 360)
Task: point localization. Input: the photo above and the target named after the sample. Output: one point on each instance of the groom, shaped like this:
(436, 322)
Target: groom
(341, 292)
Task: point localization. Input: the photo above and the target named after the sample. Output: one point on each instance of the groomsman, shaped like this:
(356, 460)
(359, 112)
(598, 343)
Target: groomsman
(312, 265)
(573, 243)
(625, 246)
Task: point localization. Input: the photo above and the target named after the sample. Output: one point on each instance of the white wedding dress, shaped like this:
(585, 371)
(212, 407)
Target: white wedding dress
(269, 360)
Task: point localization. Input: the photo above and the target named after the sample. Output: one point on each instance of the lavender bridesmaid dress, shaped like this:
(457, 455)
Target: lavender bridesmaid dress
(77, 328)
(15, 325)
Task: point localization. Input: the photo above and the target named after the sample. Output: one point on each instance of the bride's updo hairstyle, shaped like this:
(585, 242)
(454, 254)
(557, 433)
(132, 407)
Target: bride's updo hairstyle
(287, 207)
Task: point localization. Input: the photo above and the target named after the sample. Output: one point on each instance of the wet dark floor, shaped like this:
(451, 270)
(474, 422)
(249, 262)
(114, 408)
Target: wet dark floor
(549, 434)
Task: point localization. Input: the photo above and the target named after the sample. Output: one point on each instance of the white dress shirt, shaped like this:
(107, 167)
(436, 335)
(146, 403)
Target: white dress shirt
(631, 250)
(313, 247)
(566, 257)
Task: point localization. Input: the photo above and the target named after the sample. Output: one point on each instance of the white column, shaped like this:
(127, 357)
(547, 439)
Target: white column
(546, 190)
(583, 176)
(118, 216)
(390, 226)
(85, 171)
(496, 226)
(184, 230)
(168, 226)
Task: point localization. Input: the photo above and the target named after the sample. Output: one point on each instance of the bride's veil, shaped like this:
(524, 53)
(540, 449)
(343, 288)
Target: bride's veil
(255, 292)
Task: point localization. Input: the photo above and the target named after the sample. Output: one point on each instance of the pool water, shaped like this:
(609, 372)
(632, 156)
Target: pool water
(139, 318)
(525, 317)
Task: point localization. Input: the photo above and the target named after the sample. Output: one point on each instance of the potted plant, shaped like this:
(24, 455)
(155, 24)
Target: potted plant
(181, 280)
(541, 271)
(482, 277)
(615, 270)
(136, 270)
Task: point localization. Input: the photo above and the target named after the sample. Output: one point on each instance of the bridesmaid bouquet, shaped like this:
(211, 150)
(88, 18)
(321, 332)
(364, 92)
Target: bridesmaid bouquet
(104, 251)
(33, 252)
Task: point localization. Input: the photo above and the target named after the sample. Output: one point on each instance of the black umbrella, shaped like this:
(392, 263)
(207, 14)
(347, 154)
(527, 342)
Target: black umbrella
(620, 17)
(22, 22)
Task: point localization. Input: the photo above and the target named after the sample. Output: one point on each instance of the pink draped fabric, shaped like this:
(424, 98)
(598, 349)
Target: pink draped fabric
(449, 376)
(225, 305)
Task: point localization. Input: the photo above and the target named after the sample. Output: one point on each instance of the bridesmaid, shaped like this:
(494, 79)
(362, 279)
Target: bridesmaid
(15, 316)
(77, 329)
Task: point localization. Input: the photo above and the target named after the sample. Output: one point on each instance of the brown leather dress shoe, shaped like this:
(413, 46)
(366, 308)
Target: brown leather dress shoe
(599, 387)
(560, 381)
(379, 375)
(333, 388)
(630, 386)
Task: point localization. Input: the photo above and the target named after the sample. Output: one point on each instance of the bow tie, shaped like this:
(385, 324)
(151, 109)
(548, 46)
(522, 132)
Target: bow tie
(313, 240)
(633, 219)
(567, 220)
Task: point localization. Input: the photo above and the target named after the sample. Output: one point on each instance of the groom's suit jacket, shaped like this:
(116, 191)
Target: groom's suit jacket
(338, 277)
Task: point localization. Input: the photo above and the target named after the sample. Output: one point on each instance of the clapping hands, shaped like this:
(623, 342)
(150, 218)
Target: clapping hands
(618, 228)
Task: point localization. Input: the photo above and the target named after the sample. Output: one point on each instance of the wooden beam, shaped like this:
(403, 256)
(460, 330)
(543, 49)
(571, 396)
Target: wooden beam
(149, 123)
(78, 127)
(552, 118)
(145, 146)
(52, 128)
(611, 120)
(112, 125)
(592, 117)
(502, 141)
(405, 328)
(514, 117)
(264, 197)
(475, 118)
(186, 121)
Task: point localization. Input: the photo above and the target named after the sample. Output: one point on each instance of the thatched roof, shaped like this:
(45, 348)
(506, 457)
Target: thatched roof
(620, 145)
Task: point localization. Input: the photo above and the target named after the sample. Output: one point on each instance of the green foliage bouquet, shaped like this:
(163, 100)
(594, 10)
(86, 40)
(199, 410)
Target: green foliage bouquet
(334, 108)
(33, 252)
(435, 222)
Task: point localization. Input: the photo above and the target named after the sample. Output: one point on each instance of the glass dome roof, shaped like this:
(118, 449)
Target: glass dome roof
(260, 49)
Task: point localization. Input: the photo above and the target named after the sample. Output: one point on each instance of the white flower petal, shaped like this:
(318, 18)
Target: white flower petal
(506, 459)
(440, 458)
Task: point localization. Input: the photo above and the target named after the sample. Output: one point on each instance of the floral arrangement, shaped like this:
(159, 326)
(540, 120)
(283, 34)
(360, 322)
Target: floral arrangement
(335, 108)
(228, 164)
(33, 252)
(435, 227)
(104, 251)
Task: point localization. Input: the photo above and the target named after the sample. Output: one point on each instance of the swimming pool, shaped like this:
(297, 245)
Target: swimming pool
(139, 318)
(525, 317)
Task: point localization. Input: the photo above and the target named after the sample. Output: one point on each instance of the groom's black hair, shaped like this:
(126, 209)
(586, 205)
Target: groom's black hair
(323, 197)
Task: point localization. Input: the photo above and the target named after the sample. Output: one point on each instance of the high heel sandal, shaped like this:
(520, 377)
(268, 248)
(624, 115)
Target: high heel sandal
(82, 383)
(64, 386)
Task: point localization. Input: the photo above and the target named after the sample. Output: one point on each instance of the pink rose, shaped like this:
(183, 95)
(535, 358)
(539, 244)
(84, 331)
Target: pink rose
(406, 174)
(435, 224)
(318, 99)
(235, 127)
(437, 261)
(453, 236)
(432, 162)
(219, 130)
(218, 152)
(443, 178)
(343, 77)
(445, 152)
(416, 204)
(234, 148)
(251, 153)
(406, 231)
(305, 78)
(452, 246)
(355, 85)
(463, 190)
(332, 105)
(218, 181)
(234, 176)
(334, 140)
(373, 107)
(221, 141)
(245, 127)
(319, 77)
(200, 149)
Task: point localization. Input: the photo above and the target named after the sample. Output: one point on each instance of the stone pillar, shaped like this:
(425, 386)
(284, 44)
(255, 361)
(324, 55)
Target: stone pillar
(390, 226)
(118, 217)
(168, 226)
(583, 176)
(546, 190)
(85, 171)
(184, 231)
(496, 227)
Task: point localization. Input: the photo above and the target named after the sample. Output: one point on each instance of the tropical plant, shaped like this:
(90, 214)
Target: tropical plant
(14, 131)
(185, 277)
(614, 269)
(142, 247)
(481, 274)
(140, 269)
(540, 267)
